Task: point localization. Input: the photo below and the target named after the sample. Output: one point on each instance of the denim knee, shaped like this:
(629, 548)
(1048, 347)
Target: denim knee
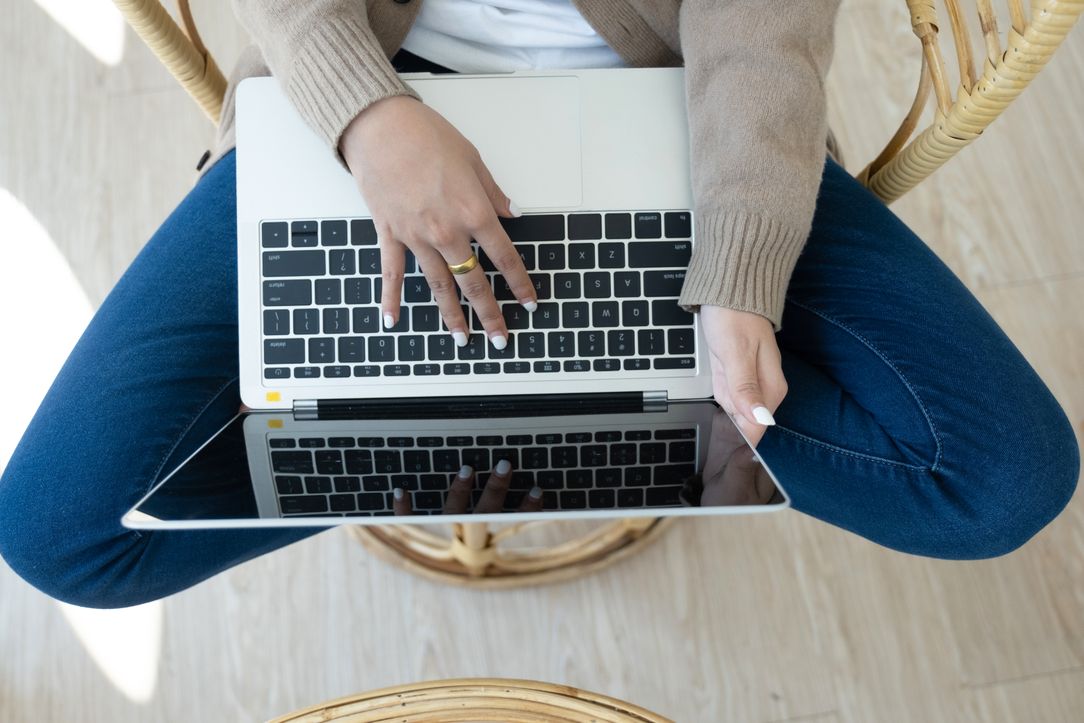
(1014, 490)
(52, 551)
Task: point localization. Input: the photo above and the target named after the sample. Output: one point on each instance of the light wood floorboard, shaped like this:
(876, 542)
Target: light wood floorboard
(772, 619)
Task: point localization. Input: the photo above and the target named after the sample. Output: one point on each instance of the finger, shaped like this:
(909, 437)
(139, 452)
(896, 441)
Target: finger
(444, 293)
(500, 202)
(401, 502)
(496, 489)
(739, 361)
(392, 260)
(459, 492)
(750, 430)
(770, 370)
(532, 502)
(719, 386)
(476, 288)
(492, 237)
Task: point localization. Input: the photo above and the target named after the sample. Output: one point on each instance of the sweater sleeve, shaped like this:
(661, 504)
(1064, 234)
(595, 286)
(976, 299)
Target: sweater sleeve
(325, 55)
(754, 83)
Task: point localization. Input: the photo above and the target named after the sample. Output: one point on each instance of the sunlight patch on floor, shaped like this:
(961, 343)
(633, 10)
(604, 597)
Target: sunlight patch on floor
(125, 644)
(97, 25)
(45, 312)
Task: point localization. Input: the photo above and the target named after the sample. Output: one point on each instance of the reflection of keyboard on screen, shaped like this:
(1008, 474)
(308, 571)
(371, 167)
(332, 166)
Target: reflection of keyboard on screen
(578, 470)
(607, 286)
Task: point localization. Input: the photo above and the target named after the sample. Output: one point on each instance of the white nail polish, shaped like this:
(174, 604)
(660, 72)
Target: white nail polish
(535, 493)
(465, 471)
(530, 305)
(763, 416)
(503, 467)
(398, 492)
(499, 342)
(514, 209)
(460, 338)
(389, 321)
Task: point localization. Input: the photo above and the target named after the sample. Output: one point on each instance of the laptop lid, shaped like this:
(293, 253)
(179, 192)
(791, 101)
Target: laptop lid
(268, 469)
(606, 141)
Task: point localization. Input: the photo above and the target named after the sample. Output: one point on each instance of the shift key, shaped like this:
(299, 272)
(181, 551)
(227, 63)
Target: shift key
(659, 254)
(294, 263)
(287, 293)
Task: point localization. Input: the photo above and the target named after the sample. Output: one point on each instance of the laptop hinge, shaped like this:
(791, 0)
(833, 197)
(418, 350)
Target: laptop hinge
(656, 401)
(306, 409)
(516, 405)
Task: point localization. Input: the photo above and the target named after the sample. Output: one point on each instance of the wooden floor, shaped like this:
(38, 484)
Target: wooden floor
(778, 618)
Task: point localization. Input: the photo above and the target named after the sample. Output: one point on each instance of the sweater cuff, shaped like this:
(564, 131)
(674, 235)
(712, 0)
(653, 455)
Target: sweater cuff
(341, 70)
(741, 261)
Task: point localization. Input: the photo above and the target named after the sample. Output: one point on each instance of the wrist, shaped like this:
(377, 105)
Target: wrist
(372, 115)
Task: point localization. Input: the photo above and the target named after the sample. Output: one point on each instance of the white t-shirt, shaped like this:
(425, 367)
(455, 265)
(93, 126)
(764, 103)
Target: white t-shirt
(493, 36)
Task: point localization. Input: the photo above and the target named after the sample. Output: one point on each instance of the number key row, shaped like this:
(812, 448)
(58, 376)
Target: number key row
(550, 257)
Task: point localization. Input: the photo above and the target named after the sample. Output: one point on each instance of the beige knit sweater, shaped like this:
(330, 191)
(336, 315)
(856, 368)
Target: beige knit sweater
(754, 81)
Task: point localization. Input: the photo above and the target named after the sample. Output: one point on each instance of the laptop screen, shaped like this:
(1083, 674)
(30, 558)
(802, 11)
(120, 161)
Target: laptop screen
(270, 469)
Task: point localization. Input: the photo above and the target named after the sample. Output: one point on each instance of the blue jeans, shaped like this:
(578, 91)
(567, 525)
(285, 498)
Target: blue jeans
(912, 420)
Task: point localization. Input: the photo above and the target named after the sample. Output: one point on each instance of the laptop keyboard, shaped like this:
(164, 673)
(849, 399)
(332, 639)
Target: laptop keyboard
(607, 287)
(354, 476)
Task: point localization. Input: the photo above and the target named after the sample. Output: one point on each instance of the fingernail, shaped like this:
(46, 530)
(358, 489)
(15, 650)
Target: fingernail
(503, 467)
(535, 493)
(499, 342)
(514, 208)
(465, 471)
(530, 305)
(398, 492)
(460, 338)
(389, 321)
(763, 416)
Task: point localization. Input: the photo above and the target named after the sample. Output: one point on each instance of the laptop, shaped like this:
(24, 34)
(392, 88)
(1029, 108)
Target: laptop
(601, 403)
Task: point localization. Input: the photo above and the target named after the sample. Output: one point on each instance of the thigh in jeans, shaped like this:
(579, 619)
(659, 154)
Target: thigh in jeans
(153, 376)
(911, 418)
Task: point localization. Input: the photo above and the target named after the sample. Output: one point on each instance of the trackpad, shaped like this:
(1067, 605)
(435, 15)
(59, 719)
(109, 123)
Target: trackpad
(526, 129)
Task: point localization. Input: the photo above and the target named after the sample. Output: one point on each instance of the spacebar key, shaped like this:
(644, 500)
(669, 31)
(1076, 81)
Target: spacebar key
(293, 263)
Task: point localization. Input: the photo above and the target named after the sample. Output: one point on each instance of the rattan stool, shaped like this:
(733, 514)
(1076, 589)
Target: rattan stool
(476, 556)
(476, 699)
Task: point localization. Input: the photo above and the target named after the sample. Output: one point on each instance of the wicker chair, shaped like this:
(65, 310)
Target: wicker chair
(476, 699)
(474, 555)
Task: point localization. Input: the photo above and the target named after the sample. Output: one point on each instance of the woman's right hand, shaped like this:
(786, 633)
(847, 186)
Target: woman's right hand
(429, 191)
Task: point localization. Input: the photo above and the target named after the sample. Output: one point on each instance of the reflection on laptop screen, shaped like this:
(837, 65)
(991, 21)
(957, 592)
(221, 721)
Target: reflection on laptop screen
(273, 469)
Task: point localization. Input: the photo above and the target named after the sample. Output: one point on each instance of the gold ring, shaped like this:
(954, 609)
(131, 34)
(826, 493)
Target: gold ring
(464, 268)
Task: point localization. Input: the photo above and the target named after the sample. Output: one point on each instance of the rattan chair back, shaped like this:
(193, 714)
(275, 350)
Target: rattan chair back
(1031, 39)
(181, 50)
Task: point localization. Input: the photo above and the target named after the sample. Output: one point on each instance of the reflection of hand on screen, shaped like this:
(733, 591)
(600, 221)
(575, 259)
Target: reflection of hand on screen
(458, 498)
(732, 475)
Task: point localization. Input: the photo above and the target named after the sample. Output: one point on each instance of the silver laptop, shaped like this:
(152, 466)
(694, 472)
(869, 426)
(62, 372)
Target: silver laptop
(602, 397)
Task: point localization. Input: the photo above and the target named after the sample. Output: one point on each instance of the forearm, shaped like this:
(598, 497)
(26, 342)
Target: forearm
(326, 57)
(755, 76)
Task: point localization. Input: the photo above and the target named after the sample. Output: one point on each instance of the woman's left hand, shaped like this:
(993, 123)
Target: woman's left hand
(747, 373)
